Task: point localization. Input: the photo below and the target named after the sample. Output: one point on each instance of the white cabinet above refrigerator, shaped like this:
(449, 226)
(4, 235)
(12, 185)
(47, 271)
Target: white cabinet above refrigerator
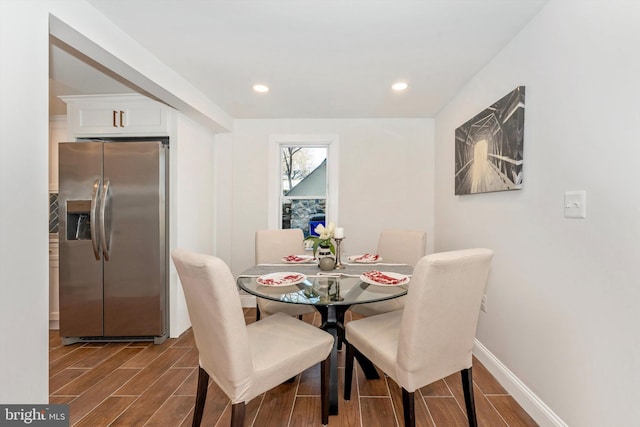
(116, 115)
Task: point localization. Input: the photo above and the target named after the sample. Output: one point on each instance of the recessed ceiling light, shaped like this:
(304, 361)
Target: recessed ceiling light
(399, 86)
(261, 88)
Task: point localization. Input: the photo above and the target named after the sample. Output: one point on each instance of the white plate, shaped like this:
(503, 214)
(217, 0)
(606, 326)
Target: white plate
(297, 259)
(391, 279)
(285, 278)
(365, 259)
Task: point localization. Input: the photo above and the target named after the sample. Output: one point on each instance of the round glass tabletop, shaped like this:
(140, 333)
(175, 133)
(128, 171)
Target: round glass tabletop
(324, 290)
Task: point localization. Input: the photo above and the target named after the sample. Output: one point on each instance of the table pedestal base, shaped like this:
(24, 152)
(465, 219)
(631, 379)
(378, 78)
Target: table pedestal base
(333, 322)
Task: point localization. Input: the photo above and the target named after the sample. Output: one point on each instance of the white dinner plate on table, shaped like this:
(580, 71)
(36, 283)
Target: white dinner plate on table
(365, 259)
(297, 259)
(384, 278)
(285, 278)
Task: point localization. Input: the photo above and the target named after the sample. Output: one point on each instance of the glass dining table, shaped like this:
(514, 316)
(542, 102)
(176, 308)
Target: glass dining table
(332, 294)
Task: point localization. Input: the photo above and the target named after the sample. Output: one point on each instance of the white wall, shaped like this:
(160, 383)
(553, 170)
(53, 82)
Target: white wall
(194, 201)
(192, 204)
(564, 294)
(223, 195)
(24, 136)
(386, 178)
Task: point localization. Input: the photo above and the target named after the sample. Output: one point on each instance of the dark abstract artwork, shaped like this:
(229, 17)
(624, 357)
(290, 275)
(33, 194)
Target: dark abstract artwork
(489, 148)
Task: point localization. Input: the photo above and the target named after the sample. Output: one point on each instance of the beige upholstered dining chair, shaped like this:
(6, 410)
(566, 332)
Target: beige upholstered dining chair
(433, 336)
(271, 246)
(244, 361)
(401, 246)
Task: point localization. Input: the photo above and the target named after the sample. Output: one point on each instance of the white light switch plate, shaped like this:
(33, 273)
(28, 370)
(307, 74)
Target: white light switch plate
(575, 204)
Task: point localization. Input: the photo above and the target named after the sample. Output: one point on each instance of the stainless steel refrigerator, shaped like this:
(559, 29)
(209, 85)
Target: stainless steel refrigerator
(113, 232)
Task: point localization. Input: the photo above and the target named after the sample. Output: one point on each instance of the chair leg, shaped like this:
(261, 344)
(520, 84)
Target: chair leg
(237, 414)
(348, 371)
(324, 389)
(257, 312)
(201, 396)
(467, 387)
(409, 408)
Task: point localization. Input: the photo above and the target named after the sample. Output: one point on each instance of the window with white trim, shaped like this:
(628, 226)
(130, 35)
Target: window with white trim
(303, 188)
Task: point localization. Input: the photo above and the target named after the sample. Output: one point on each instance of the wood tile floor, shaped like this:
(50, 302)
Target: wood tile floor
(141, 384)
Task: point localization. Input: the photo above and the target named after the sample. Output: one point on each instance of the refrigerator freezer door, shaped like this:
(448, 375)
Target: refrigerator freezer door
(80, 166)
(134, 227)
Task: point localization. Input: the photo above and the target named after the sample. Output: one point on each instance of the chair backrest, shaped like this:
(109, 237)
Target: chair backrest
(217, 320)
(272, 245)
(441, 315)
(405, 246)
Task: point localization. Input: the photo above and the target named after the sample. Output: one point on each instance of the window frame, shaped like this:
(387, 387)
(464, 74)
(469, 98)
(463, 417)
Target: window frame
(274, 194)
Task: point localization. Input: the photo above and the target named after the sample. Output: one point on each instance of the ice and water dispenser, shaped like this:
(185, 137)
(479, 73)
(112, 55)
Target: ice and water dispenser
(79, 220)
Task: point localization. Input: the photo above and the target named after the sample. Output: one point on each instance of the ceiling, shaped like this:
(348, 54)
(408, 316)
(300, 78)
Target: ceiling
(321, 59)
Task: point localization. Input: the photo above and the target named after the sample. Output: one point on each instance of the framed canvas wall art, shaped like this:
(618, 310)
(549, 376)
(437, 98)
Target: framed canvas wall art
(489, 147)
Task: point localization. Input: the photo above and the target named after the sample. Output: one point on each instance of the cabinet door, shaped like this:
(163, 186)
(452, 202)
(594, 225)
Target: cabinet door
(117, 117)
(57, 133)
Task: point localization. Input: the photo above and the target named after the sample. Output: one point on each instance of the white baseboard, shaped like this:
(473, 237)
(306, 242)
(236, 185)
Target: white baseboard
(529, 401)
(248, 300)
(54, 320)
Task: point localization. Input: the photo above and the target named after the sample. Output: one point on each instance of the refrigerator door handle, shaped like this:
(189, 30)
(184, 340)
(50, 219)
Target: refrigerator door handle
(106, 199)
(95, 239)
